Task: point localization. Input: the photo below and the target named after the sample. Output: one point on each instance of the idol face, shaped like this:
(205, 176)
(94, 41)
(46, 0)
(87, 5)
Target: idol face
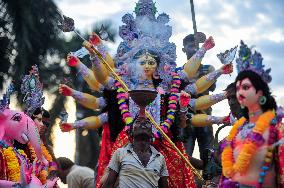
(246, 93)
(148, 64)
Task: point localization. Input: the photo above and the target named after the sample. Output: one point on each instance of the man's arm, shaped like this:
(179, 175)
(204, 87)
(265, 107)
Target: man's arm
(113, 170)
(111, 179)
(196, 163)
(163, 182)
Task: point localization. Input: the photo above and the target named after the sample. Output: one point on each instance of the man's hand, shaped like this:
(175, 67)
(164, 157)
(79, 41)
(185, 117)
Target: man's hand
(163, 182)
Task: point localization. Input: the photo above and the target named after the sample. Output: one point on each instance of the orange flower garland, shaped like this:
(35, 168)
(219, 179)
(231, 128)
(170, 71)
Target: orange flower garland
(43, 173)
(11, 156)
(249, 147)
(45, 153)
(13, 166)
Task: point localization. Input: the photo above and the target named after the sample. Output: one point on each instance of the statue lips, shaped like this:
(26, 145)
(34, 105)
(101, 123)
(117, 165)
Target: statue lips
(241, 98)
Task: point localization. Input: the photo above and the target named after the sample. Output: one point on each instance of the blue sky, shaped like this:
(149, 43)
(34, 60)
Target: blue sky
(258, 22)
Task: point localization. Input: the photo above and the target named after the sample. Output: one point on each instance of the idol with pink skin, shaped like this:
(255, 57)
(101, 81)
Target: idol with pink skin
(253, 152)
(28, 180)
(16, 125)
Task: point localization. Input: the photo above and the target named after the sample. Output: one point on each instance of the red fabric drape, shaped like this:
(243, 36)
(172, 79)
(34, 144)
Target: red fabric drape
(105, 153)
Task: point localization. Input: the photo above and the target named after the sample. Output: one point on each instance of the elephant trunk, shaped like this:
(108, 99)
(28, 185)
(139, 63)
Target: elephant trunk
(35, 141)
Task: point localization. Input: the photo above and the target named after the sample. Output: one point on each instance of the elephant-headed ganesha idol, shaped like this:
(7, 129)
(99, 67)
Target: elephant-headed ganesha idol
(16, 125)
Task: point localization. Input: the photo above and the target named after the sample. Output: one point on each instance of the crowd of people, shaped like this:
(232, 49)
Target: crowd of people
(152, 112)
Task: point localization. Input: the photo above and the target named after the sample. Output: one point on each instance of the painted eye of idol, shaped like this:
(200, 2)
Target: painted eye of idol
(148, 62)
(147, 59)
(16, 117)
(244, 85)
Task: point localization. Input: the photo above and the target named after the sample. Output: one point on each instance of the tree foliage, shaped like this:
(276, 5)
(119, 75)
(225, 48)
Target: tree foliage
(29, 35)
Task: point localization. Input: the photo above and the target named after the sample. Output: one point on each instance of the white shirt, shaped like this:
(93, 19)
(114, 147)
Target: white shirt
(80, 177)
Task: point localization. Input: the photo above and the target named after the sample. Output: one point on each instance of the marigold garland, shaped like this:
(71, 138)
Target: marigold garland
(249, 147)
(13, 167)
(45, 152)
(11, 156)
(43, 173)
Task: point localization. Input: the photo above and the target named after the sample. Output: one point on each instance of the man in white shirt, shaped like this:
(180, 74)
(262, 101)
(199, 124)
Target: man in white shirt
(138, 164)
(75, 176)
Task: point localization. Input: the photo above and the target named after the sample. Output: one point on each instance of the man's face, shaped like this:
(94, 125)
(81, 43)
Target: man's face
(62, 174)
(38, 121)
(189, 49)
(142, 131)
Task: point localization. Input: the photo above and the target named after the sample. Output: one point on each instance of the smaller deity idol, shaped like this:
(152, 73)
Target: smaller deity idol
(252, 156)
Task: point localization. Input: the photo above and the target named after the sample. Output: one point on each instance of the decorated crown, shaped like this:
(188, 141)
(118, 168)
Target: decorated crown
(248, 60)
(31, 88)
(145, 8)
(148, 32)
(5, 101)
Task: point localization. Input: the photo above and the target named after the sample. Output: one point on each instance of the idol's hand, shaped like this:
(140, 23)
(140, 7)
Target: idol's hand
(209, 43)
(72, 61)
(226, 119)
(65, 90)
(95, 39)
(184, 99)
(227, 69)
(66, 127)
